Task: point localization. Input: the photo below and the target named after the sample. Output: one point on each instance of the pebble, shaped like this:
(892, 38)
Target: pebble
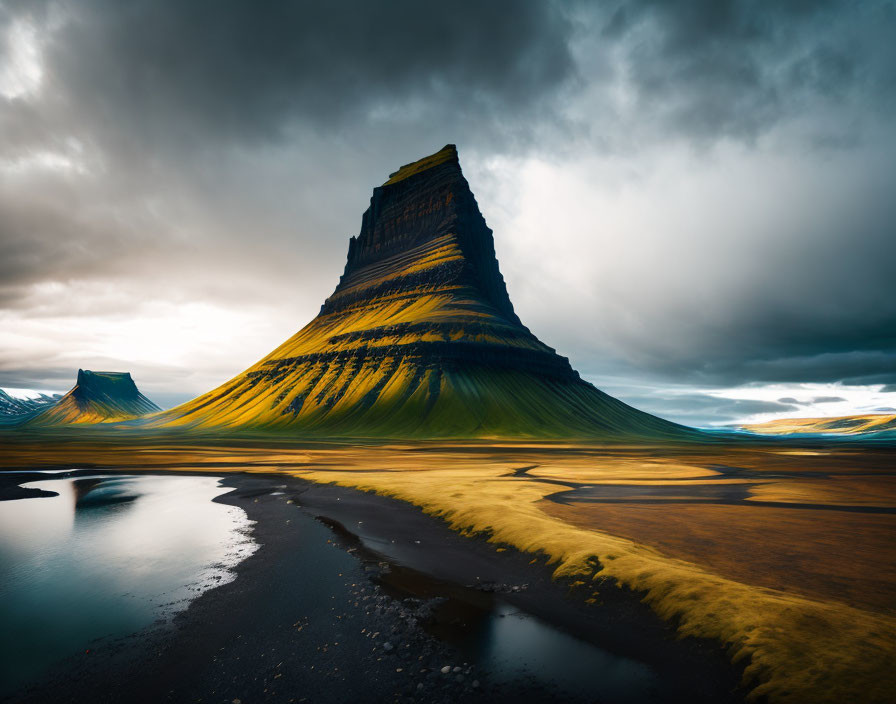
(387, 646)
(456, 669)
(446, 669)
(475, 684)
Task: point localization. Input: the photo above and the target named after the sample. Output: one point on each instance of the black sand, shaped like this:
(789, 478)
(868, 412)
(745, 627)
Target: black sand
(288, 631)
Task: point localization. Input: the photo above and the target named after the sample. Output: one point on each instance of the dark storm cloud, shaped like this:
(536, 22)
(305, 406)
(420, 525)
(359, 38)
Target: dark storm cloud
(235, 70)
(857, 367)
(188, 112)
(51, 378)
(713, 68)
(225, 150)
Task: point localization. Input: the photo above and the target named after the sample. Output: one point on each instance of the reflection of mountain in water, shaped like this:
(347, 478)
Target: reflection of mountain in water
(99, 492)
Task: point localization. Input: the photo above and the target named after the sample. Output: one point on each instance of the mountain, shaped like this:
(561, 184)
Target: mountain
(844, 425)
(16, 407)
(98, 397)
(419, 339)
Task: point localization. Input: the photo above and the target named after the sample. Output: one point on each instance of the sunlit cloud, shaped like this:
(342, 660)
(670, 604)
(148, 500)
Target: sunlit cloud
(672, 212)
(21, 70)
(813, 400)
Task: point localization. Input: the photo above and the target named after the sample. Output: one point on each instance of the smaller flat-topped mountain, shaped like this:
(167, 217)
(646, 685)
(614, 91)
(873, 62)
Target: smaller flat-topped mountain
(98, 397)
(843, 425)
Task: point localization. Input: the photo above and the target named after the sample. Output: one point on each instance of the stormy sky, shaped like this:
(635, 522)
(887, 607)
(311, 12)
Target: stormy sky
(694, 201)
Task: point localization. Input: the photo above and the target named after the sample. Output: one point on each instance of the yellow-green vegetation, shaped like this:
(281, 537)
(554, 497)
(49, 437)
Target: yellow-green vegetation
(844, 425)
(798, 644)
(798, 649)
(449, 151)
(419, 340)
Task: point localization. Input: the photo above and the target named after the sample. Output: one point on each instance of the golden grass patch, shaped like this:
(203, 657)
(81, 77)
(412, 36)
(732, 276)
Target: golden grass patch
(797, 647)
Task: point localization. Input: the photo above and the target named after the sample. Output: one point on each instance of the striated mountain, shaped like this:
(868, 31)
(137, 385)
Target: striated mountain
(844, 425)
(98, 397)
(419, 339)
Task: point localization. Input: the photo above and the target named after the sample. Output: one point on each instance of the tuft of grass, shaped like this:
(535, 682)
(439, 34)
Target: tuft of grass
(795, 649)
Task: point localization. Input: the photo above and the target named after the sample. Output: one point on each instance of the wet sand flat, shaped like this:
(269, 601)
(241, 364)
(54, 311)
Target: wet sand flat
(371, 603)
(720, 515)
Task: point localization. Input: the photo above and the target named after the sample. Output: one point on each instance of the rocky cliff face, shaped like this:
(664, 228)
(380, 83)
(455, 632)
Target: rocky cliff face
(17, 409)
(419, 339)
(98, 397)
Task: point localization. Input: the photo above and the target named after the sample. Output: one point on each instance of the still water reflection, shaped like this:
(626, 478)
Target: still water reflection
(104, 558)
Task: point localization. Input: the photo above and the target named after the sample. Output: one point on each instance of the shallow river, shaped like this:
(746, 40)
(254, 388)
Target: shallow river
(104, 558)
(111, 554)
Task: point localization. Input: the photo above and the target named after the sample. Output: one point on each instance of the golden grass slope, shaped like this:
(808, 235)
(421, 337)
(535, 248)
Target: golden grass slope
(395, 394)
(844, 425)
(419, 339)
(796, 649)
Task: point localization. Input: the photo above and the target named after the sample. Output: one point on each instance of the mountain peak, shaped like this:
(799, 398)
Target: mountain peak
(98, 397)
(426, 207)
(119, 383)
(419, 339)
(447, 154)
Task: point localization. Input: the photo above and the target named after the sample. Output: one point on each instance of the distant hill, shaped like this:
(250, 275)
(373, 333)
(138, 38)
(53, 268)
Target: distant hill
(844, 425)
(419, 339)
(16, 408)
(97, 397)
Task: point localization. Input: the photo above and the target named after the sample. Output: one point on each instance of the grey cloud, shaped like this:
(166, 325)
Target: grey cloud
(700, 409)
(50, 378)
(715, 68)
(827, 399)
(183, 71)
(858, 366)
(229, 150)
(202, 123)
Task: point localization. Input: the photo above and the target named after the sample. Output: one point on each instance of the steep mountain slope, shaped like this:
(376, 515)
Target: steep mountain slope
(16, 408)
(844, 425)
(98, 397)
(419, 339)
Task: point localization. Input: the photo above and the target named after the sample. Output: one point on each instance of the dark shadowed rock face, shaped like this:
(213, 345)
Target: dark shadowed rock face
(98, 397)
(419, 339)
(410, 211)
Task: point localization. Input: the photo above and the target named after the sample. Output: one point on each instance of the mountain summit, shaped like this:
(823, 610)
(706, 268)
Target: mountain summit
(419, 339)
(98, 397)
